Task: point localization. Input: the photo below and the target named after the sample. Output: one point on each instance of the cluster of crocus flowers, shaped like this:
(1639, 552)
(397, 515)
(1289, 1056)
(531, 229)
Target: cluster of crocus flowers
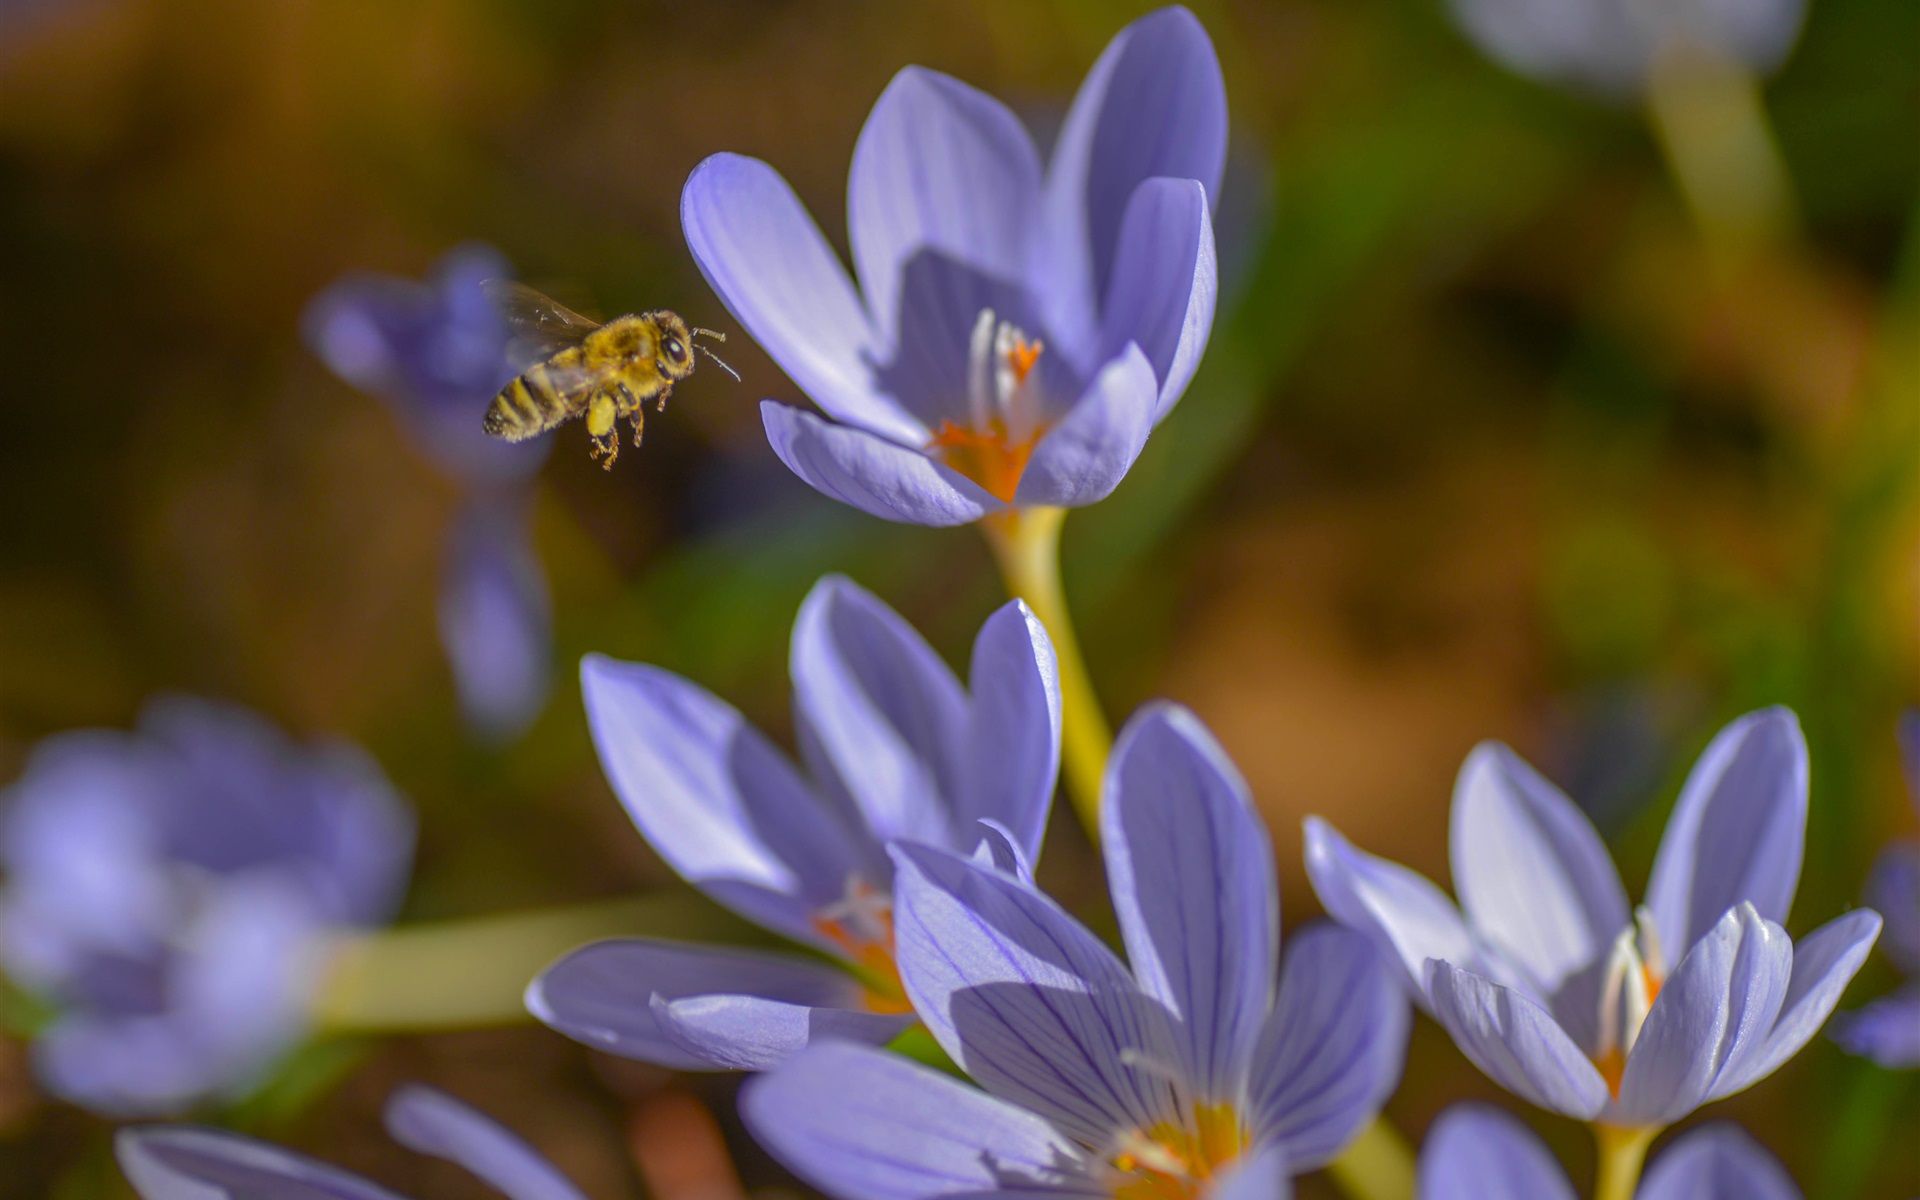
(1552, 987)
(183, 1162)
(171, 894)
(1888, 1030)
(436, 351)
(1205, 1065)
(894, 746)
(1017, 332)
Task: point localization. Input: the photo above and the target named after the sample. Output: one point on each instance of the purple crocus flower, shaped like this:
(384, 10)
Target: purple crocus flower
(1475, 1152)
(183, 1162)
(894, 747)
(1016, 334)
(1888, 1030)
(171, 891)
(1612, 46)
(495, 619)
(1556, 991)
(1210, 1068)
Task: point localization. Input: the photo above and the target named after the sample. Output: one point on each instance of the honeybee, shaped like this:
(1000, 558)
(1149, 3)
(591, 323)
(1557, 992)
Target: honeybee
(578, 366)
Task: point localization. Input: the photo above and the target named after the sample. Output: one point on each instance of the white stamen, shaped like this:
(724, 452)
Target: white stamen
(1650, 951)
(862, 909)
(1150, 1154)
(996, 389)
(1621, 962)
(1625, 997)
(981, 377)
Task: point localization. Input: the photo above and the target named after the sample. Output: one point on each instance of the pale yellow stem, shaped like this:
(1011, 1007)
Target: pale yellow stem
(1376, 1165)
(1623, 1152)
(1026, 544)
(1713, 128)
(474, 971)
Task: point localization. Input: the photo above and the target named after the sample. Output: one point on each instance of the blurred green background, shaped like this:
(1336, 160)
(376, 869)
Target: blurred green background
(1488, 444)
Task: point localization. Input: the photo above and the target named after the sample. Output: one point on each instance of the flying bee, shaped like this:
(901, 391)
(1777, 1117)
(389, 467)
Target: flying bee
(575, 366)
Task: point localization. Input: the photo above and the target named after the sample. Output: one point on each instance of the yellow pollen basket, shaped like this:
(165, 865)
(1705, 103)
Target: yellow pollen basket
(1175, 1162)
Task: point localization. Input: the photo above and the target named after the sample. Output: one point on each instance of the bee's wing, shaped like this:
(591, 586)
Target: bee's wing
(538, 325)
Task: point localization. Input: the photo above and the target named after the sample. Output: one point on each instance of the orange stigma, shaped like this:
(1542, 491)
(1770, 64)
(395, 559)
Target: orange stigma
(861, 928)
(991, 458)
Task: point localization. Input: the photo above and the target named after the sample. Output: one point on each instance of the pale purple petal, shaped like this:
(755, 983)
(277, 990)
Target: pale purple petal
(1025, 999)
(1165, 284)
(1264, 1174)
(1893, 890)
(715, 798)
(1154, 104)
(753, 1033)
(999, 850)
(1532, 874)
(602, 995)
(495, 623)
(1086, 454)
(1711, 1017)
(436, 1124)
(879, 477)
(1190, 867)
(1475, 1152)
(945, 178)
(1405, 914)
(1511, 1038)
(1824, 962)
(1886, 1031)
(883, 710)
(1737, 832)
(1716, 1162)
(863, 1124)
(1333, 1049)
(1012, 759)
(178, 1162)
(773, 269)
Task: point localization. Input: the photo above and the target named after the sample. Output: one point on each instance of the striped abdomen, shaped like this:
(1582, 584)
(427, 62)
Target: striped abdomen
(538, 400)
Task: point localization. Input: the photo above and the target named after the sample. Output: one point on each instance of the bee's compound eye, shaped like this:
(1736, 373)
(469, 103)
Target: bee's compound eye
(675, 350)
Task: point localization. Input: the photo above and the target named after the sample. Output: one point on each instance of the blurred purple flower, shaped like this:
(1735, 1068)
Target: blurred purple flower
(495, 622)
(1888, 1030)
(1559, 994)
(1015, 337)
(435, 351)
(184, 1162)
(1475, 1152)
(170, 892)
(894, 747)
(1174, 1077)
(1612, 46)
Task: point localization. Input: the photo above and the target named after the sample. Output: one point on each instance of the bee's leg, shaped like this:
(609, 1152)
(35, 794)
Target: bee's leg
(601, 412)
(625, 400)
(639, 418)
(660, 403)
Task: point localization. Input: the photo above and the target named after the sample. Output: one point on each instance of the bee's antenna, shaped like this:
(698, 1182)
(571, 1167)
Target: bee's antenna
(717, 336)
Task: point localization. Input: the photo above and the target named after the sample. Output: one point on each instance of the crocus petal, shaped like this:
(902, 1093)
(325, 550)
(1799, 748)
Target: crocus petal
(1511, 1038)
(773, 269)
(752, 1033)
(1088, 452)
(1028, 1002)
(1191, 871)
(714, 797)
(1154, 104)
(1824, 962)
(1165, 284)
(1406, 915)
(1716, 1162)
(1737, 832)
(1333, 1047)
(879, 477)
(1886, 1031)
(1475, 1152)
(1262, 1175)
(174, 1162)
(495, 623)
(1012, 758)
(1893, 890)
(881, 708)
(1712, 1015)
(436, 1124)
(602, 995)
(999, 850)
(1532, 874)
(942, 174)
(863, 1124)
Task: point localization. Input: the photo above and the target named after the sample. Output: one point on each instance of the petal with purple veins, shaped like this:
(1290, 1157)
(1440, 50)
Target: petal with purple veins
(1824, 962)
(879, 477)
(1012, 756)
(1086, 453)
(1405, 914)
(1165, 284)
(1515, 1042)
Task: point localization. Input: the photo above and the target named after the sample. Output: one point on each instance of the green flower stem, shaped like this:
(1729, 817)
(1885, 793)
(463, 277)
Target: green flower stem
(1376, 1165)
(1026, 544)
(1712, 127)
(1623, 1152)
(473, 972)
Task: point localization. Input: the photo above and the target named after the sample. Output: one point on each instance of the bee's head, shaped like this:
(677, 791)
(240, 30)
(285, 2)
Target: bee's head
(675, 355)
